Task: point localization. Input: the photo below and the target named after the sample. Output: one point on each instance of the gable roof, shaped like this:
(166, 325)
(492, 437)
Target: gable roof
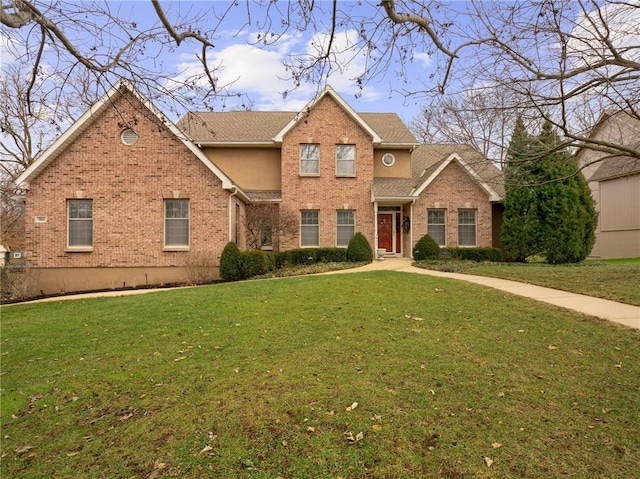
(428, 161)
(267, 128)
(81, 125)
(328, 91)
(616, 167)
(617, 127)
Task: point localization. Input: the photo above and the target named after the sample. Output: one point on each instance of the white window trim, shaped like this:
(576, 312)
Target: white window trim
(302, 145)
(439, 224)
(475, 225)
(353, 212)
(169, 247)
(316, 225)
(346, 175)
(79, 249)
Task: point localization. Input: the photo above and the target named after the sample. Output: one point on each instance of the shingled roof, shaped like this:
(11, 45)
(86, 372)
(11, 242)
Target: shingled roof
(261, 127)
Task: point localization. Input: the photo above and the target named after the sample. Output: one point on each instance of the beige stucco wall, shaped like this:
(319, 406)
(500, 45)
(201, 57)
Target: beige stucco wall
(249, 168)
(400, 169)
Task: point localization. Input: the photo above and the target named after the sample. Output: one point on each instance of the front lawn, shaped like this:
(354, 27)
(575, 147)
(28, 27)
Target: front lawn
(615, 280)
(380, 374)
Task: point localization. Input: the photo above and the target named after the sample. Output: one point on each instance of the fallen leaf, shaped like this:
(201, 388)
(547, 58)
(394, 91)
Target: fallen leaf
(22, 450)
(551, 347)
(311, 429)
(206, 449)
(180, 358)
(488, 461)
(71, 454)
(501, 394)
(376, 427)
(497, 445)
(330, 413)
(354, 440)
(352, 407)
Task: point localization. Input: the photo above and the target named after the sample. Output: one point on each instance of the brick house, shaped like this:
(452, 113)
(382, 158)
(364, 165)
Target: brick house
(126, 197)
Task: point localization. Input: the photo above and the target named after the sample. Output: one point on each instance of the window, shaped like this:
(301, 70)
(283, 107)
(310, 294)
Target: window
(466, 227)
(309, 159)
(345, 160)
(176, 223)
(388, 159)
(80, 224)
(346, 222)
(309, 228)
(266, 237)
(436, 225)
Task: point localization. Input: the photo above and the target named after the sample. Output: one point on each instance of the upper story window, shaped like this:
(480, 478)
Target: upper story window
(467, 227)
(310, 159)
(345, 160)
(176, 224)
(388, 159)
(80, 225)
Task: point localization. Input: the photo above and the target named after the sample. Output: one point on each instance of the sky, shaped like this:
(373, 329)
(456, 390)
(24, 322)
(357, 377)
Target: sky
(256, 70)
(259, 71)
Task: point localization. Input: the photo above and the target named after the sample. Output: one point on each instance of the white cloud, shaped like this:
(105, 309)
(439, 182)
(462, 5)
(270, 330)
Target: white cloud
(424, 59)
(260, 72)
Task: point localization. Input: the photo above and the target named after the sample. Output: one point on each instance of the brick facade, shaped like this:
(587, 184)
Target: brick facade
(127, 185)
(328, 125)
(454, 189)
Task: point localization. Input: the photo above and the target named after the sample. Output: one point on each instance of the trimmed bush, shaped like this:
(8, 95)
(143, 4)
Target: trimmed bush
(359, 249)
(426, 248)
(230, 268)
(331, 255)
(256, 263)
(476, 254)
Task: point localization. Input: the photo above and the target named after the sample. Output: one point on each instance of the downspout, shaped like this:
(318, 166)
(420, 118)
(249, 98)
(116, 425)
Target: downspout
(411, 231)
(375, 228)
(235, 192)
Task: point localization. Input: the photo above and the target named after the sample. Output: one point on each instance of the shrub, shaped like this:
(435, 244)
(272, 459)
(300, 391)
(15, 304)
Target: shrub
(331, 255)
(476, 254)
(426, 248)
(359, 249)
(230, 268)
(255, 263)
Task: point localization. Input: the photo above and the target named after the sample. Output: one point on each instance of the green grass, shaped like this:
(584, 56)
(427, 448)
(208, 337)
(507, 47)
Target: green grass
(253, 380)
(616, 280)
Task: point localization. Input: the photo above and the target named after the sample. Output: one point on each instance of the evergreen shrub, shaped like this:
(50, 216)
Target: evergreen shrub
(426, 248)
(359, 249)
(230, 268)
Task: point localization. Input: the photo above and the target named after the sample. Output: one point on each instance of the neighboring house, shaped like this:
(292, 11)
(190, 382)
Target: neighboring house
(125, 197)
(615, 186)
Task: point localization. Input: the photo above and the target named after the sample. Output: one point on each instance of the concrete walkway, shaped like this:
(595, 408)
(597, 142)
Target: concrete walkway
(601, 308)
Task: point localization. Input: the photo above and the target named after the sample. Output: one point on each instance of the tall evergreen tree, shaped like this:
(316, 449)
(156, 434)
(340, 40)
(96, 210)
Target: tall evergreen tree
(519, 227)
(548, 205)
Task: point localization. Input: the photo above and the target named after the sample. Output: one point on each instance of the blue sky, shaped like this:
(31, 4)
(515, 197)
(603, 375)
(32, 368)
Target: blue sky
(259, 72)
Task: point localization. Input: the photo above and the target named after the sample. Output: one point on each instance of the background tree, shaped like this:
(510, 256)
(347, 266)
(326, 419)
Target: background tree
(548, 207)
(560, 61)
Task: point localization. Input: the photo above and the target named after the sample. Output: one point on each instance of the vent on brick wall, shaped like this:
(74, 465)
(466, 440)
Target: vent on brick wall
(129, 137)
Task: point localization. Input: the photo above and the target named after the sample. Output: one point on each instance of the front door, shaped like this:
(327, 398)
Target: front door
(385, 231)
